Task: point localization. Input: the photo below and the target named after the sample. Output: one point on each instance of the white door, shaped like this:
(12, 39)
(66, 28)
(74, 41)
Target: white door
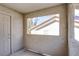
(4, 35)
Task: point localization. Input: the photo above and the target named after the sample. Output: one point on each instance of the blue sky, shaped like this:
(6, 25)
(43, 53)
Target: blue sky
(40, 19)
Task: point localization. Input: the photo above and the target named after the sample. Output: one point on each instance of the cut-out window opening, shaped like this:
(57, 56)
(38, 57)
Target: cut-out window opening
(76, 24)
(44, 25)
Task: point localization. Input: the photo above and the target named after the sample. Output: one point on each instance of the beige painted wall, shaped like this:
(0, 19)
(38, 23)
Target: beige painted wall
(52, 45)
(17, 33)
(70, 28)
(16, 28)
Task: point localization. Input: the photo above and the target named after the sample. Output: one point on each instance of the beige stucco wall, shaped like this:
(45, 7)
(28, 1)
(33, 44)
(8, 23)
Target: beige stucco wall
(16, 28)
(52, 45)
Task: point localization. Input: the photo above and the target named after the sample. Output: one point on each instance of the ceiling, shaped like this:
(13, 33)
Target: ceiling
(28, 7)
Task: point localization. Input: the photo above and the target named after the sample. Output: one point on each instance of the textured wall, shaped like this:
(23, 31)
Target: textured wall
(52, 45)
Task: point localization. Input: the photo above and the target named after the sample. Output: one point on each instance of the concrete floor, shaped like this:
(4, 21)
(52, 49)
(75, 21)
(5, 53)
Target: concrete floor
(25, 53)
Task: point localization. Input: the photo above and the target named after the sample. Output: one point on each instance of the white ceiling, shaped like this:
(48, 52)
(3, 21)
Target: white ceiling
(28, 7)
